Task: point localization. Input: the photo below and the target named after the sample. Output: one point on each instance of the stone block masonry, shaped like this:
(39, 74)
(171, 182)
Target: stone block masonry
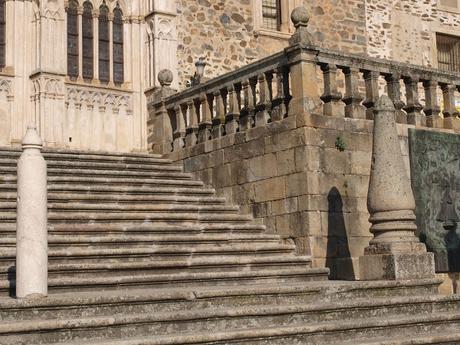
(291, 175)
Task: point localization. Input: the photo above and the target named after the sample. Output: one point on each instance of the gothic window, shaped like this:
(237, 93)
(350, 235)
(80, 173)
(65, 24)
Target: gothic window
(104, 44)
(87, 29)
(118, 71)
(448, 52)
(2, 33)
(271, 14)
(72, 39)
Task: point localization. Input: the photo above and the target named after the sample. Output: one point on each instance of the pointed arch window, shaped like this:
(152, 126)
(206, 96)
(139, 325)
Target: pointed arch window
(87, 30)
(2, 33)
(72, 39)
(118, 71)
(104, 44)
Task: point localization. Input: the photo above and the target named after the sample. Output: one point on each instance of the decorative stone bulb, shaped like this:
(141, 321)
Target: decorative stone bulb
(300, 19)
(165, 77)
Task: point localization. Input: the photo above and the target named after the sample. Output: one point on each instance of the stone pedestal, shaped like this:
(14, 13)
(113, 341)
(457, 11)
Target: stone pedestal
(31, 236)
(395, 253)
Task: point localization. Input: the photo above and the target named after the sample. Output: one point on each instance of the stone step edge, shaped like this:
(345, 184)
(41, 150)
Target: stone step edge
(453, 339)
(186, 277)
(190, 293)
(273, 332)
(206, 314)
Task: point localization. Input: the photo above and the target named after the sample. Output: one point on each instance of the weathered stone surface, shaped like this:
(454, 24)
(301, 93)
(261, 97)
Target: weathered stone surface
(436, 183)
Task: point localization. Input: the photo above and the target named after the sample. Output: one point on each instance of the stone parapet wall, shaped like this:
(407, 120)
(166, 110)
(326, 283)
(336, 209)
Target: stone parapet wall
(292, 175)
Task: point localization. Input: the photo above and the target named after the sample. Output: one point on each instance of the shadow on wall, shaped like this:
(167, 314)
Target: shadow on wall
(11, 276)
(338, 257)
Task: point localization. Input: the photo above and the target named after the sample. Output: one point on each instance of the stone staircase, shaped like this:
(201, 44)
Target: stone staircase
(140, 253)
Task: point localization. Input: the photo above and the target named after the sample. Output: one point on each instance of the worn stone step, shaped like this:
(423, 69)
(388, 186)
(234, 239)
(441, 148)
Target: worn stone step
(306, 333)
(137, 301)
(426, 339)
(121, 198)
(182, 279)
(85, 216)
(326, 319)
(138, 267)
(114, 207)
(57, 240)
(77, 304)
(10, 172)
(163, 228)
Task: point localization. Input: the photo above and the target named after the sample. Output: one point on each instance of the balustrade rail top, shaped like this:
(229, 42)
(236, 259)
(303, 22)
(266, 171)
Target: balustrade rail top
(322, 56)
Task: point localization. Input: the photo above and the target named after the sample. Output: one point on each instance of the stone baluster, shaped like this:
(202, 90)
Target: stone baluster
(353, 98)
(450, 111)
(331, 97)
(233, 115)
(218, 122)
(205, 126)
(247, 113)
(413, 107)
(394, 92)
(31, 225)
(191, 132)
(432, 108)
(371, 81)
(394, 253)
(279, 102)
(179, 131)
(264, 104)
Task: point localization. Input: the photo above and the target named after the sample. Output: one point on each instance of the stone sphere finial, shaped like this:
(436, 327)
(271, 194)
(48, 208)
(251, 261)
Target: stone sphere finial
(165, 77)
(300, 17)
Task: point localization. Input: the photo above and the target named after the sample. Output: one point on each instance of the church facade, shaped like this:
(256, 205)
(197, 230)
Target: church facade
(79, 69)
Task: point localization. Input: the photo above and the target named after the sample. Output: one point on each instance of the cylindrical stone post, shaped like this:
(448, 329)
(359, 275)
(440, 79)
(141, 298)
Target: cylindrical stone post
(395, 252)
(31, 231)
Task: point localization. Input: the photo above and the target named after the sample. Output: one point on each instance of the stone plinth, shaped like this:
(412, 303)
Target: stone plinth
(394, 252)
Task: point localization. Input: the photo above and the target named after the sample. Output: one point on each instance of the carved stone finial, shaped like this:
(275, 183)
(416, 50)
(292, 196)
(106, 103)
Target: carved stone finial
(165, 77)
(31, 138)
(395, 252)
(300, 19)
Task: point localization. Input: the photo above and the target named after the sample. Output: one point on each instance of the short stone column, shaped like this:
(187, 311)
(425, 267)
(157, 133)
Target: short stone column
(395, 253)
(31, 231)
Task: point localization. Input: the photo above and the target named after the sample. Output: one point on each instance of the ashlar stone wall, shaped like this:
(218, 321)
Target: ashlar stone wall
(293, 176)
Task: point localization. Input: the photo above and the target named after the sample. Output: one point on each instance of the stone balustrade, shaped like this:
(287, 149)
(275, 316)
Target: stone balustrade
(302, 78)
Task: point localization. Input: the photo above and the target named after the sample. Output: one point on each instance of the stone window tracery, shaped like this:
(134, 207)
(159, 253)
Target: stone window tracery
(95, 42)
(2, 33)
(104, 44)
(118, 70)
(72, 39)
(87, 29)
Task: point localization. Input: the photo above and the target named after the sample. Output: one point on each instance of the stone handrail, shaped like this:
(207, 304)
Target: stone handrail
(302, 78)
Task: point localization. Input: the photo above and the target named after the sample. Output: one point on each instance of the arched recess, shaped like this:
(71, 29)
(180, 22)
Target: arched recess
(118, 58)
(72, 39)
(87, 30)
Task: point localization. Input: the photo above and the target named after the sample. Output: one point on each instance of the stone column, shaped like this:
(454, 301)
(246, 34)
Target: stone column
(80, 44)
(395, 253)
(96, 46)
(111, 49)
(31, 232)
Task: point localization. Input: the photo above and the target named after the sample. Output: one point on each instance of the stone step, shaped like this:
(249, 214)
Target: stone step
(314, 321)
(115, 207)
(83, 216)
(10, 172)
(138, 301)
(139, 267)
(182, 279)
(109, 239)
(126, 190)
(104, 165)
(427, 339)
(121, 198)
(163, 228)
